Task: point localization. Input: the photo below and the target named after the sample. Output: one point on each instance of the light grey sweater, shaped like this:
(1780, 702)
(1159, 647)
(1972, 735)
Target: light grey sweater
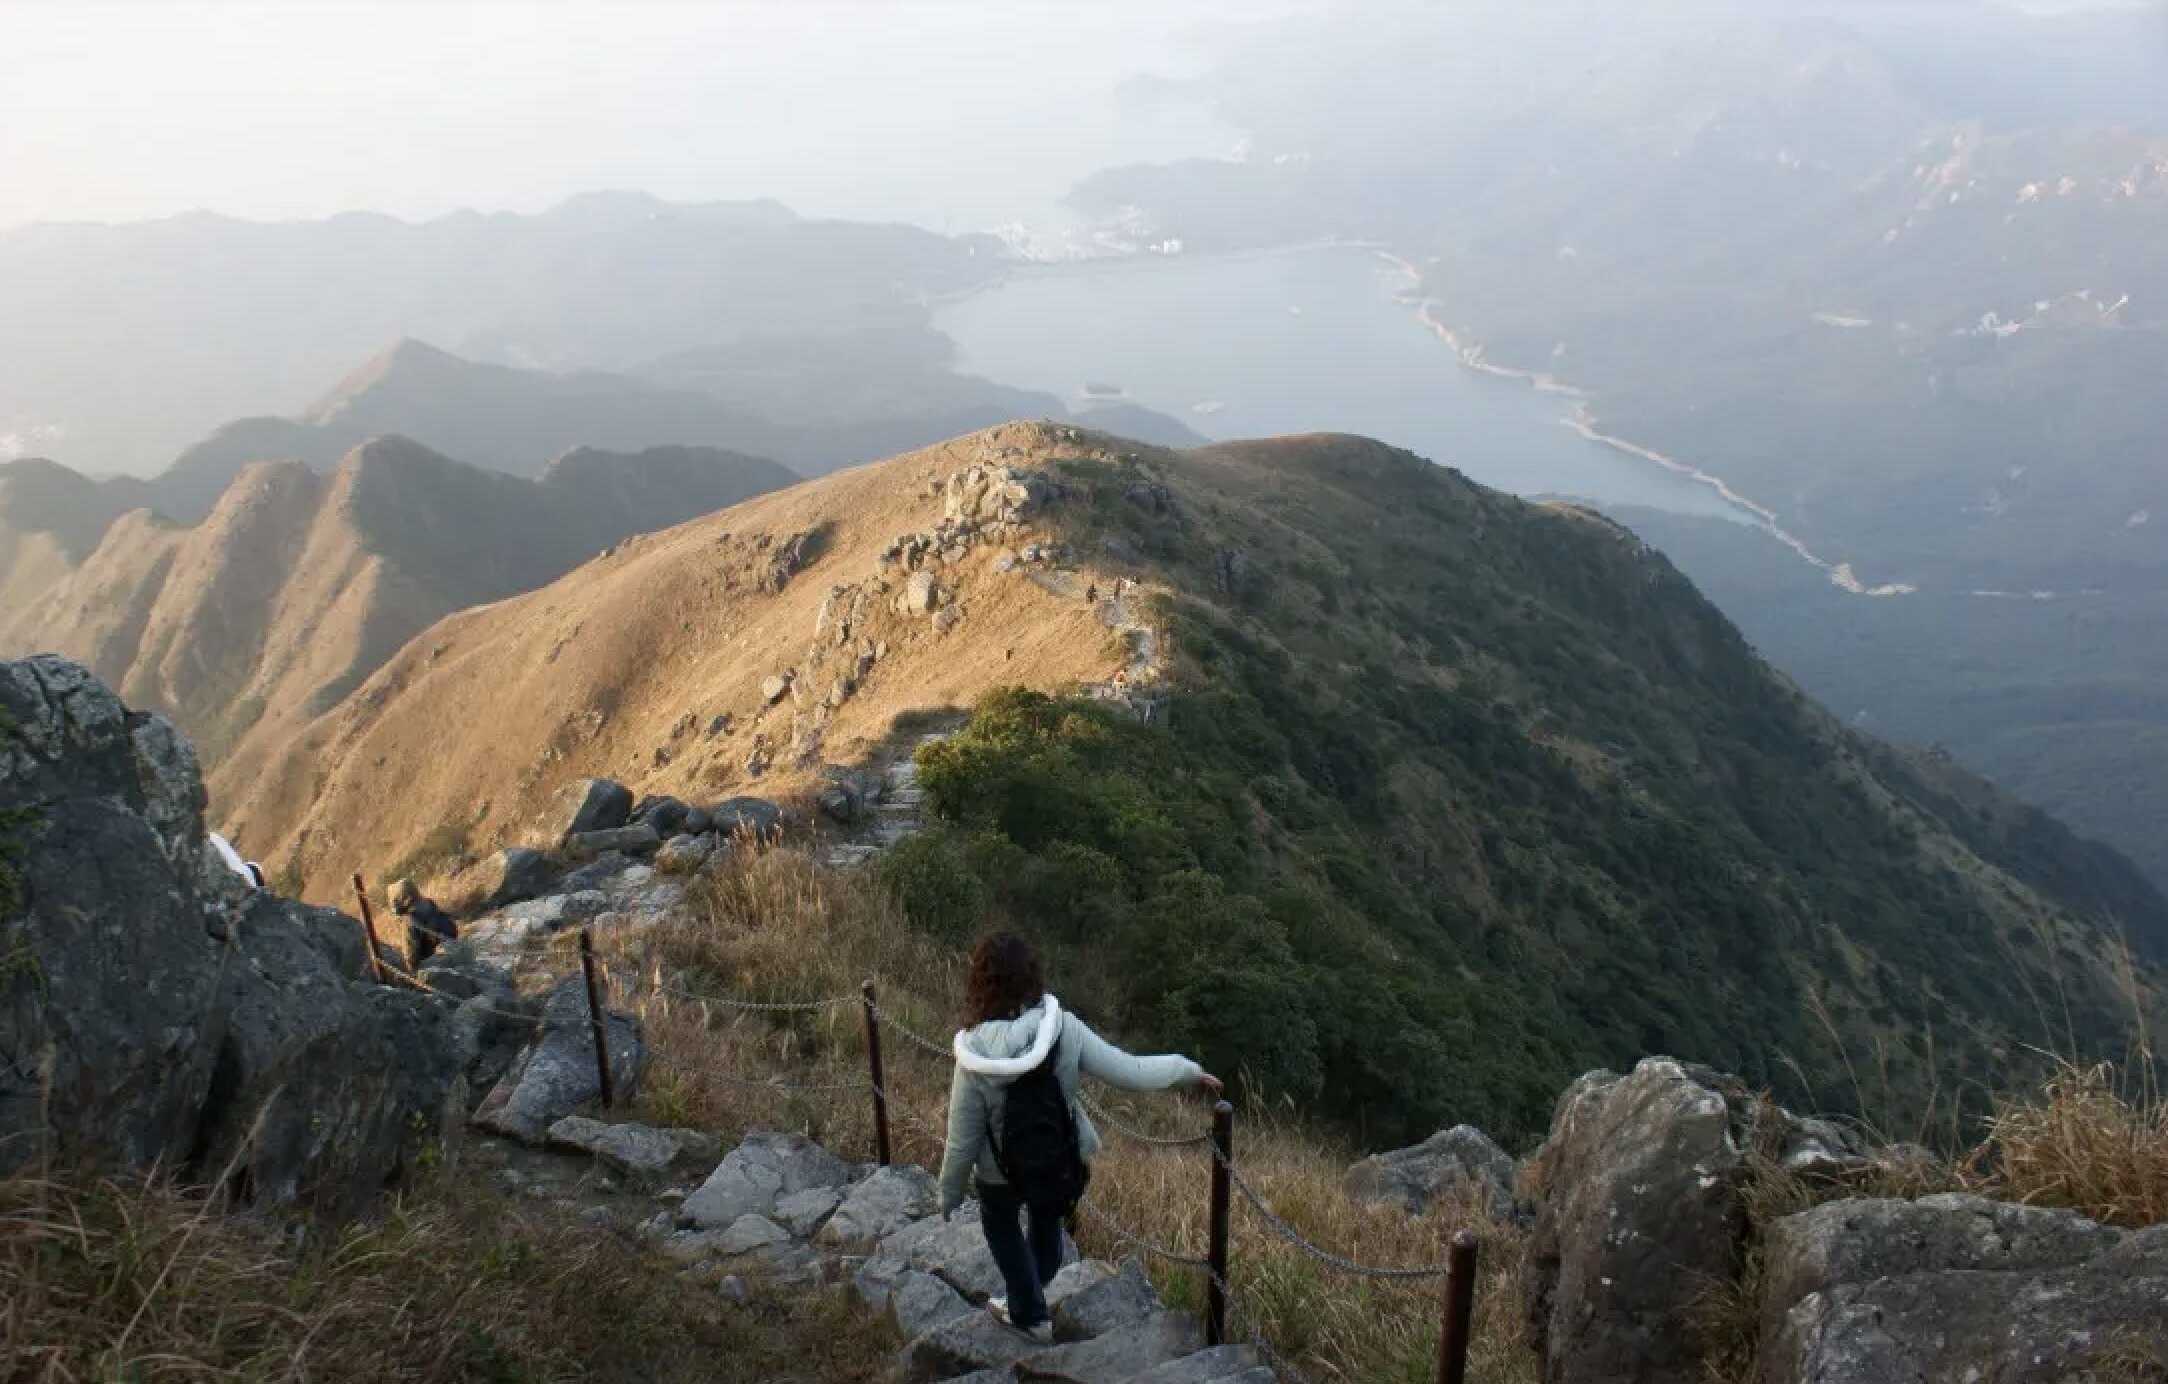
(998, 1051)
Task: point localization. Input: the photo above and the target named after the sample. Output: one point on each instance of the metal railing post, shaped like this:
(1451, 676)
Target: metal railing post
(368, 930)
(873, 1061)
(596, 1018)
(1459, 1309)
(1223, 1159)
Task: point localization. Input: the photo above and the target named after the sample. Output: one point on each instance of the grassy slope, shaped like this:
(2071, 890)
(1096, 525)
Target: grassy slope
(1455, 796)
(1458, 797)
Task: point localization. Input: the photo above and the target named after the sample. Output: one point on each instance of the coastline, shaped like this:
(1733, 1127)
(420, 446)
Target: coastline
(1582, 420)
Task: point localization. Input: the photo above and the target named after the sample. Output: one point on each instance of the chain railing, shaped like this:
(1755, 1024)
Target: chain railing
(1223, 1306)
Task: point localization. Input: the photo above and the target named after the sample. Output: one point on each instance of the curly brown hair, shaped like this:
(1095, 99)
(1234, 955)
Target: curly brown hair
(1004, 979)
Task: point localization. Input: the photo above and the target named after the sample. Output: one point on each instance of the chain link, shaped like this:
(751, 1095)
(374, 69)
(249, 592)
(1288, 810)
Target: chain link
(659, 987)
(889, 1020)
(1315, 1251)
(1100, 1115)
(759, 1083)
(1131, 1238)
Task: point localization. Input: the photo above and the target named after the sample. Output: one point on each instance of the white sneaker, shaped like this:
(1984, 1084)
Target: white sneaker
(998, 1308)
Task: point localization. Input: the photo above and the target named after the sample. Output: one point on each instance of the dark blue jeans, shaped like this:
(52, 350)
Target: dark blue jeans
(1028, 1259)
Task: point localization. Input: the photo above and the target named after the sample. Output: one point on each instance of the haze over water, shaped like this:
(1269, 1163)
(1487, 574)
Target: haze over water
(1308, 340)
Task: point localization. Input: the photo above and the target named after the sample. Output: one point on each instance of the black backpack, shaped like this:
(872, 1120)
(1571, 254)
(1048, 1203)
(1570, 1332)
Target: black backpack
(1038, 1151)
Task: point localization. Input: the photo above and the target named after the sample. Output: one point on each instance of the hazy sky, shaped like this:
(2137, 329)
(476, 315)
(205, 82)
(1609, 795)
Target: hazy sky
(951, 112)
(303, 107)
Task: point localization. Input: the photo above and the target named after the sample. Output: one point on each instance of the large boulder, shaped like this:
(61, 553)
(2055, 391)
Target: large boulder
(637, 839)
(112, 978)
(1959, 1288)
(557, 1074)
(1111, 1303)
(511, 875)
(583, 805)
(1639, 1214)
(154, 1018)
(758, 1174)
(753, 816)
(1456, 1162)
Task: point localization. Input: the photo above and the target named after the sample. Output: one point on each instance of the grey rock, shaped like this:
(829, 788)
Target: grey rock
(881, 1205)
(838, 804)
(733, 1290)
(1074, 1279)
(641, 839)
(145, 980)
(754, 816)
(556, 1075)
(559, 910)
(804, 1213)
(971, 1342)
(600, 873)
(1829, 1270)
(666, 814)
(698, 822)
(921, 594)
(760, 1172)
(1116, 1302)
(954, 1250)
(748, 1233)
(1451, 1163)
(637, 1151)
(512, 874)
(2028, 1315)
(582, 806)
(774, 688)
(922, 1302)
(946, 619)
(1119, 1355)
(684, 854)
(1641, 1213)
(1214, 1365)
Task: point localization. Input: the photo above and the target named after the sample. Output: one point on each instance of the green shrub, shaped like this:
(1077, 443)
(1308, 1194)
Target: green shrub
(932, 880)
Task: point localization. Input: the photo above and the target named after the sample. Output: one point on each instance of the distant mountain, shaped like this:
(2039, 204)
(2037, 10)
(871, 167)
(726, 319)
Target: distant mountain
(121, 343)
(1483, 781)
(298, 584)
(1891, 271)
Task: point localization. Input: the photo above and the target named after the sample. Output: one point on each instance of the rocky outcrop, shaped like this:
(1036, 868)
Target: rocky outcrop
(558, 1074)
(1958, 1287)
(150, 1015)
(1456, 1162)
(581, 806)
(1641, 1214)
(512, 875)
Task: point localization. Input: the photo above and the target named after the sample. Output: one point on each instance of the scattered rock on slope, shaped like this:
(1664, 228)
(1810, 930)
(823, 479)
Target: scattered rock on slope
(1443, 1166)
(557, 1075)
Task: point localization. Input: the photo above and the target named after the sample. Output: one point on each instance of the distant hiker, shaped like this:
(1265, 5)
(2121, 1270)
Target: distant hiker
(1014, 1118)
(428, 927)
(246, 869)
(1091, 593)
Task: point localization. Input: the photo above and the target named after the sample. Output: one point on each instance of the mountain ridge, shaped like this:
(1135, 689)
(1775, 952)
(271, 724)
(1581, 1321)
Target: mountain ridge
(1416, 750)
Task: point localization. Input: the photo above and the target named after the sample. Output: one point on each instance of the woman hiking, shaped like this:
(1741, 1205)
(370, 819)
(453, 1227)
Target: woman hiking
(1015, 1122)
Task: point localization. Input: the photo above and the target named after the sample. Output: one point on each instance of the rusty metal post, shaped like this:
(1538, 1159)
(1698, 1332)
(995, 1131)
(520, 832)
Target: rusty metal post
(1459, 1309)
(597, 1018)
(1223, 1162)
(881, 1146)
(368, 930)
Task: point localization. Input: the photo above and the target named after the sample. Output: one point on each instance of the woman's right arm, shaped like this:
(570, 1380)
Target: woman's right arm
(966, 1134)
(1097, 1057)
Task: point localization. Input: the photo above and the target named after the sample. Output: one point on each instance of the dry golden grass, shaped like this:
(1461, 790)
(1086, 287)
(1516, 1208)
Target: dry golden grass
(2085, 1142)
(776, 927)
(137, 1281)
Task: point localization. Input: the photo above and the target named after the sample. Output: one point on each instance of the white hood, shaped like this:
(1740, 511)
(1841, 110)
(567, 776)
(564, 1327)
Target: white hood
(1010, 1047)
